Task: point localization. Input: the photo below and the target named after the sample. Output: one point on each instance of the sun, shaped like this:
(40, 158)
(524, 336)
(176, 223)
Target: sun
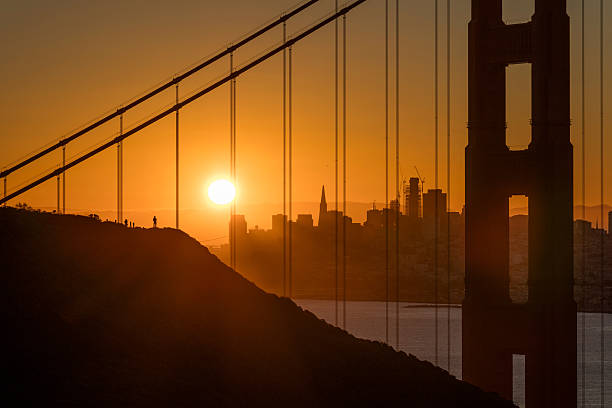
(221, 192)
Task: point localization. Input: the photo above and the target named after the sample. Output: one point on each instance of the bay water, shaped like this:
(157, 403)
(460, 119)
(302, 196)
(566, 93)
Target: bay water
(417, 337)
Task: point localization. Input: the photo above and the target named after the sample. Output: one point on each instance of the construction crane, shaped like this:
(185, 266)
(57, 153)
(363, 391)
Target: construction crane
(421, 179)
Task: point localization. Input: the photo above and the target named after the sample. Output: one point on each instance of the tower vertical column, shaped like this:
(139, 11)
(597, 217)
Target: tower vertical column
(551, 361)
(487, 279)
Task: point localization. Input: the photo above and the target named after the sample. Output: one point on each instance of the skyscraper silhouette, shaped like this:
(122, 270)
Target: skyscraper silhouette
(414, 198)
(434, 200)
(322, 205)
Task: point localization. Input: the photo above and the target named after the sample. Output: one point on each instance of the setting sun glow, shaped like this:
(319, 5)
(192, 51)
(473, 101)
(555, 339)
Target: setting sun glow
(221, 192)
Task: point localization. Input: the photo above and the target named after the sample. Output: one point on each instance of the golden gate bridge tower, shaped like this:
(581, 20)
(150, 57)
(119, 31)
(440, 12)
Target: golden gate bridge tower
(544, 328)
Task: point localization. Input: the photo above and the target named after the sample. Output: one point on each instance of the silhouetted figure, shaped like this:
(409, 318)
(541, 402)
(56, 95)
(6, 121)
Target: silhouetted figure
(154, 222)
(126, 222)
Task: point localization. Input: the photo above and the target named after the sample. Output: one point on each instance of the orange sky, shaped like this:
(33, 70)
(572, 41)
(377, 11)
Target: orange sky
(67, 62)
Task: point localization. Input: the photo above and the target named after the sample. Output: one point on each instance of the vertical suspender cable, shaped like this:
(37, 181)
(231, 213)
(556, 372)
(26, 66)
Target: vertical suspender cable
(448, 180)
(64, 180)
(290, 135)
(234, 203)
(118, 176)
(336, 152)
(601, 181)
(284, 161)
(234, 171)
(344, 216)
(58, 194)
(436, 215)
(397, 175)
(584, 231)
(387, 171)
(177, 157)
(119, 173)
(232, 214)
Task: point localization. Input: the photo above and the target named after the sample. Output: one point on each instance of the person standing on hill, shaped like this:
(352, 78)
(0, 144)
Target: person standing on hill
(154, 222)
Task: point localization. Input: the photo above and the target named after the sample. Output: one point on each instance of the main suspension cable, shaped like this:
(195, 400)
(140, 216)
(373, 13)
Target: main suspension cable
(159, 89)
(249, 65)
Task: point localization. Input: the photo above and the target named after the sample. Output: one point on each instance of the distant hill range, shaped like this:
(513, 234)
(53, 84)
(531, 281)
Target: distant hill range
(209, 225)
(100, 315)
(592, 213)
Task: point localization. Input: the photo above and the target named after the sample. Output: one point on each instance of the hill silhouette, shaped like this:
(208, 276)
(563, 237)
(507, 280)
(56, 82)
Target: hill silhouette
(97, 314)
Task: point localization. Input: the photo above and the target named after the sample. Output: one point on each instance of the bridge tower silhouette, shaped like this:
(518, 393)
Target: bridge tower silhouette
(544, 328)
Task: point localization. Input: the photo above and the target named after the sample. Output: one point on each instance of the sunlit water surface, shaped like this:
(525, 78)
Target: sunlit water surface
(417, 337)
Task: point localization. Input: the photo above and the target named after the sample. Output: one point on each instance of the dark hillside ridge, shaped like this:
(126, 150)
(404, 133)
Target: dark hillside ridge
(97, 314)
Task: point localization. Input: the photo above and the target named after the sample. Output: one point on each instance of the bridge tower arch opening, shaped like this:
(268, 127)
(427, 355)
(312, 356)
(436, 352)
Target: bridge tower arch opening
(543, 329)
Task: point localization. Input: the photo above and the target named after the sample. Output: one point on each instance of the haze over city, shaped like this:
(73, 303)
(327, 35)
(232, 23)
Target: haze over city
(70, 75)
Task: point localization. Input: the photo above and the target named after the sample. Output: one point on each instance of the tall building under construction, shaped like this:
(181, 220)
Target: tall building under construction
(413, 199)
